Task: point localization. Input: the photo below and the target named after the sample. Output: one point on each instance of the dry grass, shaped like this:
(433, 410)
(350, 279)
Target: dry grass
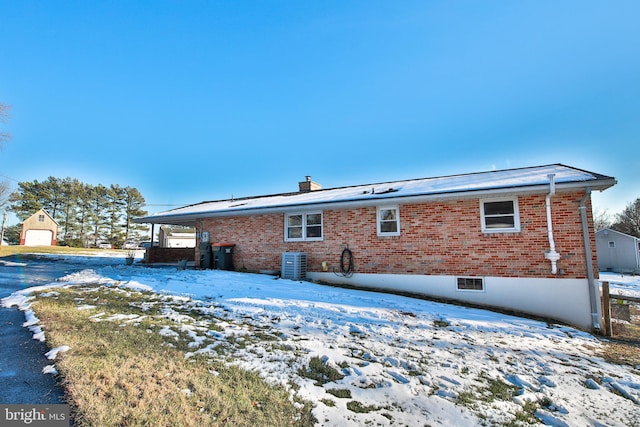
(623, 353)
(624, 347)
(19, 250)
(126, 374)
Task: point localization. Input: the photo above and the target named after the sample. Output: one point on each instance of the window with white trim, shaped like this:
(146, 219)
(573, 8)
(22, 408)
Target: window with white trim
(388, 218)
(500, 215)
(303, 226)
(470, 284)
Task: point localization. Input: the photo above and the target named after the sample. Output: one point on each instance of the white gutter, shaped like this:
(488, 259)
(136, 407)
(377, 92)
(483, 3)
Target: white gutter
(552, 255)
(594, 291)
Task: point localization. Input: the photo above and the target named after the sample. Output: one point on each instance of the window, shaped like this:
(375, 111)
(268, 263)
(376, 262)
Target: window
(470, 284)
(500, 215)
(41, 218)
(303, 226)
(388, 221)
(612, 244)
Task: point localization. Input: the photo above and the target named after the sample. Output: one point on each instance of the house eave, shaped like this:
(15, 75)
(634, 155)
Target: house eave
(374, 200)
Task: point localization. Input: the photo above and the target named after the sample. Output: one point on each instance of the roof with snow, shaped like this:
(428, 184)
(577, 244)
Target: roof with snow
(507, 181)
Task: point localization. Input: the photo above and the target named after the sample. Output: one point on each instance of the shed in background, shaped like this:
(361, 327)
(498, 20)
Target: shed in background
(617, 252)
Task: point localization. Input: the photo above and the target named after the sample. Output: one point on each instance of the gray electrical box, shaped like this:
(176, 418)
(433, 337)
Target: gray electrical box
(294, 265)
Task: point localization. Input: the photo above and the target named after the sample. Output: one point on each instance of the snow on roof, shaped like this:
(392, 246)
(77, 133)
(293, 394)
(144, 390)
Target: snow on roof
(446, 186)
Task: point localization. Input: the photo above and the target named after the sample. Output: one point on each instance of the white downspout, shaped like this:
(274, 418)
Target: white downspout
(637, 243)
(552, 255)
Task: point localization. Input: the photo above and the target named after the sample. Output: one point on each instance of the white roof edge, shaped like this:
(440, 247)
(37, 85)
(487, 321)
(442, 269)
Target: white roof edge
(617, 232)
(390, 198)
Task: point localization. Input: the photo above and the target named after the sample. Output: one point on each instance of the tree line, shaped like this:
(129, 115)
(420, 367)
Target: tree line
(86, 214)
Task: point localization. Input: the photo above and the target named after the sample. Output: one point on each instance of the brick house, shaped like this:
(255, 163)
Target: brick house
(516, 239)
(40, 229)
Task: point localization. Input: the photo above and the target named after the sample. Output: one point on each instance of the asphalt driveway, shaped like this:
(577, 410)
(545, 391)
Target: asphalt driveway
(21, 362)
(21, 357)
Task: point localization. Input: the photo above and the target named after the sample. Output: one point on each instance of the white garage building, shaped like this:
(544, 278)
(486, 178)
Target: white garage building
(40, 229)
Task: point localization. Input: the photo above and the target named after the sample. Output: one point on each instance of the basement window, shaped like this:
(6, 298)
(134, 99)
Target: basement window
(388, 219)
(470, 284)
(303, 227)
(500, 215)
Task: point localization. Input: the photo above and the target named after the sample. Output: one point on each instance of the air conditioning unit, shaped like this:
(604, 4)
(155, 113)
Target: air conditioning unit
(294, 265)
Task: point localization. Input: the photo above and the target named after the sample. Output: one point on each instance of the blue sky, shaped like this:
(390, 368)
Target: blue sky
(202, 100)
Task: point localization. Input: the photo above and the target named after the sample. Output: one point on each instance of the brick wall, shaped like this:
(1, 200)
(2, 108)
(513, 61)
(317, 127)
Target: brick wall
(437, 238)
(170, 255)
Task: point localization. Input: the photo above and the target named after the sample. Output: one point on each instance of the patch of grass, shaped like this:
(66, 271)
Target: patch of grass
(387, 416)
(342, 393)
(26, 250)
(468, 399)
(117, 373)
(622, 353)
(441, 323)
(263, 336)
(355, 406)
(320, 372)
(525, 417)
(500, 390)
(328, 402)
(488, 390)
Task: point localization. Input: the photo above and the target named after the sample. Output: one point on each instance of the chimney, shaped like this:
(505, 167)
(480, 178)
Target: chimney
(308, 185)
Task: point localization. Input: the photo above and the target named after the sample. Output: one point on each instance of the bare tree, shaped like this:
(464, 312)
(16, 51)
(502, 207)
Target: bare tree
(5, 191)
(628, 221)
(5, 186)
(4, 117)
(601, 219)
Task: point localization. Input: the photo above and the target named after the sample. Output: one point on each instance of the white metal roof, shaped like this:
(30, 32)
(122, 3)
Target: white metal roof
(530, 179)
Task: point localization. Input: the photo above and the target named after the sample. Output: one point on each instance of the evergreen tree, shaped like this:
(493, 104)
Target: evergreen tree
(69, 191)
(12, 234)
(115, 198)
(85, 214)
(133, 204)
(99, 219)
(26, 200)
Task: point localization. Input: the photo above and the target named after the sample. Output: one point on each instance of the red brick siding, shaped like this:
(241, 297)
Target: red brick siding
(437, 238)
(157, 254)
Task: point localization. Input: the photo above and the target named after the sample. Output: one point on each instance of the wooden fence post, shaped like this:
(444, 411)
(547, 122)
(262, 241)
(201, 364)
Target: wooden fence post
(606, 309)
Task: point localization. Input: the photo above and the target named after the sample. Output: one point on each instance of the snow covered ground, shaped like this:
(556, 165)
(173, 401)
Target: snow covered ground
(622, 284)
(407, 361)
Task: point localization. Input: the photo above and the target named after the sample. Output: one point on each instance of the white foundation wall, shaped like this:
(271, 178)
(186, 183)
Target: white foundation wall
(566, 300)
